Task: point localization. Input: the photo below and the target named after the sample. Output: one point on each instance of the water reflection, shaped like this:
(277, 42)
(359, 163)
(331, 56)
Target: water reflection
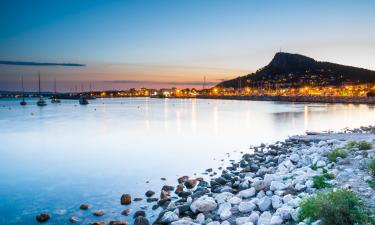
(95, 153)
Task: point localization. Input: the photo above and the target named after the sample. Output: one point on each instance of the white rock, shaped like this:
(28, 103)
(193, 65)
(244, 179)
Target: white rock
(245, 207)
(169, 217)
(320, 163)
(287, 198)
(276, 220)
(254, 216)
(294, 157)
(189, 200)
(264, 203)
(200, 218)
(300, 187)
(248, 223)
(276, 201)
(184, 221)
(203, 204)
(242, 220)
(235, 200)
(261, 194)
(223, 197)
(247, 193)
(265, 218)
(225, 214)
(224, 206)
(284, 212)
(225, 223)
(214, 223)
(277, 185)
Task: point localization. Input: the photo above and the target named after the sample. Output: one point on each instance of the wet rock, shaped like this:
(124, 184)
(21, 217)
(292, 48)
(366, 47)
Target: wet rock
(154, 207)
(152, 199)
(182, 179)
(138, 199)
(98, 223)
(84, 206)
(167, 188)
(203, 204)
(126, 212)
(140, 220)
(98, 213)
(221, 181)
(126, 199)
(41, 218)
(118, 222)
(139, 213)
(149, 193)
(179, 188)
(73, 219)
(184, 194)
(169, 217)
(190, 184)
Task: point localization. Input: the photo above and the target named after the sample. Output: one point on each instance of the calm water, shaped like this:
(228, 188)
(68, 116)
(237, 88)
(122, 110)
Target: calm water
(54, 158)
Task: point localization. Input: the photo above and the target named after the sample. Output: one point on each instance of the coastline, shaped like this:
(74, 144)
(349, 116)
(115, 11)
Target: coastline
(309, 99)
(265, 187)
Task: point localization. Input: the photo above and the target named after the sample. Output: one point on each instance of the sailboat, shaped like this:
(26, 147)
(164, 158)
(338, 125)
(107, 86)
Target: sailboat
(41, 101)
(83, 99)
(54, 97)
(23, 94)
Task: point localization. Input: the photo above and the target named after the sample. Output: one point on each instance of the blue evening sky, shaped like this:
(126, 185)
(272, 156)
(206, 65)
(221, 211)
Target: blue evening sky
(181, 41)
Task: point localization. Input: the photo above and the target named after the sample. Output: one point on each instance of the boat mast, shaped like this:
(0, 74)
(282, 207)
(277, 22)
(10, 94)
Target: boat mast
(40, 96)
(23, 91)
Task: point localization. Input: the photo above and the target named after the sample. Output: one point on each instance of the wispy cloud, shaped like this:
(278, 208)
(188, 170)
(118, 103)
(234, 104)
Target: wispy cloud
(19, 63)
(160, 82)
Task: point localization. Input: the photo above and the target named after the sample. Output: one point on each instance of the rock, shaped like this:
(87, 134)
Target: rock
(318, 222)
(224, 206)
(225, 223)
(214, 223)
(126, 212)
(225, 214)
(169, 217)
(300, 187)
(140, 220)
(98, 223)
(73, 219)
(84, 206)
(139, 213)
(126, 199)
(98, 213)
(152, 199)
(118, 222)
(137, 199)
(179, 188)
(276, 220)
(320, 163)
(247, 193)
(200, 218)
(260, 185)
(41, 218)
(203, 204)
(235, 200)
(284, 212)
(265, 218)
(167, 188)
(276, 201)
(223, 197)
(264, 203)
(294, 157)
(182, 179)
(184, 221)
(190, 184)
(246, 207)
(149, 193)
(242, 220)
(277, 185)
(254, 216)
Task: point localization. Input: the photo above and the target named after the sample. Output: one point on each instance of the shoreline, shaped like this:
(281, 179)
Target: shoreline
(265, 187)
(301, 99)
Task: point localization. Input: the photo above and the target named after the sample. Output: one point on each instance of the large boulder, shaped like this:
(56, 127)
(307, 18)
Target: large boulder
(203, 204)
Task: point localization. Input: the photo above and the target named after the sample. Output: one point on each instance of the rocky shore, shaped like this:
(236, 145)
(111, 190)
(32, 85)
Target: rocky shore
(268, 184)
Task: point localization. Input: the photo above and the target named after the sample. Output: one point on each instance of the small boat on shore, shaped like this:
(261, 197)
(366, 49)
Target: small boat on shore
(41, 101)
(23, 102)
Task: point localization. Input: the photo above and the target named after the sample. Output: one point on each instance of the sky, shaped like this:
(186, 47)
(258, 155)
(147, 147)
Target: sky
(164, 43)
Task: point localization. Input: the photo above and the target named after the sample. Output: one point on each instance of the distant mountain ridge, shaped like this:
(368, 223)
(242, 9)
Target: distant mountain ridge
(295, 70)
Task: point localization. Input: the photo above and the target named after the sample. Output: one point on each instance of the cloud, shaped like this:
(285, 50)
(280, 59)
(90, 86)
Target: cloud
(160, 82)
(18, 63)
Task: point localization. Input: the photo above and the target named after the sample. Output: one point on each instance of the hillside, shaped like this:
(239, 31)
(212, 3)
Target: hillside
(294, 70)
